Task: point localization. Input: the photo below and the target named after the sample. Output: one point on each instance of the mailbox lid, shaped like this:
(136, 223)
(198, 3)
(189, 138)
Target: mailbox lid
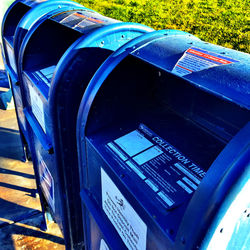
(221, 71)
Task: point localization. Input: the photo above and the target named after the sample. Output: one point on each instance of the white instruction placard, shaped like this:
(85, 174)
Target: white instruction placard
(124, 218)
(133, 143)
(47, 182)
(37, 107)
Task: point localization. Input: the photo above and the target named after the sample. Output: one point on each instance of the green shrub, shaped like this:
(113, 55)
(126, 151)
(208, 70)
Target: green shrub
(222, 22)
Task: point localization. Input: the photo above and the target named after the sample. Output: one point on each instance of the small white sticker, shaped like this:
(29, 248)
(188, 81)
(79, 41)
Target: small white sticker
(47, 183)
(133, 143)
(48, 72)
(19, 106)
(103, 245)
(37, 107)
(124, 218)
(147, 155)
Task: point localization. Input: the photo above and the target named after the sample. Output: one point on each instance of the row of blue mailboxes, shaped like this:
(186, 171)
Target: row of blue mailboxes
(139, 138)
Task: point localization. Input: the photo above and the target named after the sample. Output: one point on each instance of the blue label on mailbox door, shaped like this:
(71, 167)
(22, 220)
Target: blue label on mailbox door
(47, 183)
(170, 175)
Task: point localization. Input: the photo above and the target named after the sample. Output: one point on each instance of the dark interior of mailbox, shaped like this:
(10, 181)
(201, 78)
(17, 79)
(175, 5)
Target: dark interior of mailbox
(196, 122)
(15, 15)
(46, 46)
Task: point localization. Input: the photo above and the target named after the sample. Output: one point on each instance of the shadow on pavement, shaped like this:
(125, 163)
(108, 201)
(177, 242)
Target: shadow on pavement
(12, 172)
(23, 189)
(31, 236)
(10, 144)
(14, 212)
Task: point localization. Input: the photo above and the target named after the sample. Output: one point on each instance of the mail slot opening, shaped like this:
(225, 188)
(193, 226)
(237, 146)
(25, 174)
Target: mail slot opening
(46, 46)
(12, 20)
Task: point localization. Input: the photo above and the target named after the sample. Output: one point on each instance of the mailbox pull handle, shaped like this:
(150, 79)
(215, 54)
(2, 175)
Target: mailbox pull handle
(112, 237)
(38, 131)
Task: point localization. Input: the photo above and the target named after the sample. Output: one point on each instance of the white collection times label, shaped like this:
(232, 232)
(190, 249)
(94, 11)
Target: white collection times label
(47, 182)
(37, 107)
(124, 218)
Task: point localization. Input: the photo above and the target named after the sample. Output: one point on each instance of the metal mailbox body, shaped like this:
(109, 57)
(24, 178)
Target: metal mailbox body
(163, 154)
(53, 80)
(21, 16)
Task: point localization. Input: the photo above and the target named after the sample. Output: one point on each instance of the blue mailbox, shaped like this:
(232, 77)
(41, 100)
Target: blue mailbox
(163, 144)
(21, 16)
(56, 61)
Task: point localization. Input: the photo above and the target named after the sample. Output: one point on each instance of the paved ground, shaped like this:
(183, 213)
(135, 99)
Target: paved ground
(20, 216)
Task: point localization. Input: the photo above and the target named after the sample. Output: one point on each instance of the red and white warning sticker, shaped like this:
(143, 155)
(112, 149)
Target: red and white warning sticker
(196, 59)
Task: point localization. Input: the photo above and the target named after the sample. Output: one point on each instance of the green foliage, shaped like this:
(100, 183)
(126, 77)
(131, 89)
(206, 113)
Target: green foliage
(223, 22)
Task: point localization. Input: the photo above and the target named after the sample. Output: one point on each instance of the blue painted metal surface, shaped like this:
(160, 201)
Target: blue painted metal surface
(166, 118)
(230, 227)
(10, 21)
(72, 45)
(19, 18)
